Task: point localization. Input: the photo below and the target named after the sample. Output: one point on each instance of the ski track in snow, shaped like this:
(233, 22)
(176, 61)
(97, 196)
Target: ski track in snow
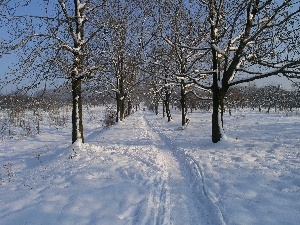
(158, 207)
(158, 201)
(201, 208)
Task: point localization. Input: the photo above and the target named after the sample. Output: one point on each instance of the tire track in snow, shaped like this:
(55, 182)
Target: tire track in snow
(208, 212)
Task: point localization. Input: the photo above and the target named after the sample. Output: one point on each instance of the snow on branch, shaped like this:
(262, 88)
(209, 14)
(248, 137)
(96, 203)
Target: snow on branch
(192, 48)
(81, 6)
(237, 38)
(284, 69)
(218, 50)
(168, 41)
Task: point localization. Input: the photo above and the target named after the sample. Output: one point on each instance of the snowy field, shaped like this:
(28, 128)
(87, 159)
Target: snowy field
(147, 171)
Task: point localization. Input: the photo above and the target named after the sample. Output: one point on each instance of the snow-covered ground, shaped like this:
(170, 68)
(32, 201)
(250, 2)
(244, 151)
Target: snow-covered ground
(147, 171)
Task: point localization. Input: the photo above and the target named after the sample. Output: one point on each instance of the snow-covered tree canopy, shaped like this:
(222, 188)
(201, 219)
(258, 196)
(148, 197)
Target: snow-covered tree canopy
(254, 38)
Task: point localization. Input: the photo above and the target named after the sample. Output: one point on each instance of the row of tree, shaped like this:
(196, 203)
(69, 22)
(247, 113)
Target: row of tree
(262, 99)
(268, 97)
(134, 48)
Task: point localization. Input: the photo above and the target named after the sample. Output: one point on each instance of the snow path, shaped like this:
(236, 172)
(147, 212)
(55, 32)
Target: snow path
(177, 192)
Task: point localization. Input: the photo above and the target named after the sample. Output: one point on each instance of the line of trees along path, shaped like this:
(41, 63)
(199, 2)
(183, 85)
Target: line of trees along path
(136, 48)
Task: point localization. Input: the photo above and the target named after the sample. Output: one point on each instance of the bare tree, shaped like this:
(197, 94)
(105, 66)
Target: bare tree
(181, 33)
(11, 35)
(58, 46)
(249, 40)
(125, 42)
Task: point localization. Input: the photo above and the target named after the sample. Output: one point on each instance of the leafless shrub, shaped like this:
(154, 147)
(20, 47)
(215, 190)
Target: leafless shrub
(109, 117)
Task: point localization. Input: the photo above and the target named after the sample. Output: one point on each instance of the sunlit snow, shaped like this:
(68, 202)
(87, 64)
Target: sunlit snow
(147, 171)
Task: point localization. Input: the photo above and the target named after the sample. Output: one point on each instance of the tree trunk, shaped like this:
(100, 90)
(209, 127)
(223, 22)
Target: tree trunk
(164, 108)
(122, 107)
(120, 97)
(118, 107)
(216, 126)
(77, 125)
(218, 112)
(167, 103)
(183, 104)
(156, 108)
(129, 106)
